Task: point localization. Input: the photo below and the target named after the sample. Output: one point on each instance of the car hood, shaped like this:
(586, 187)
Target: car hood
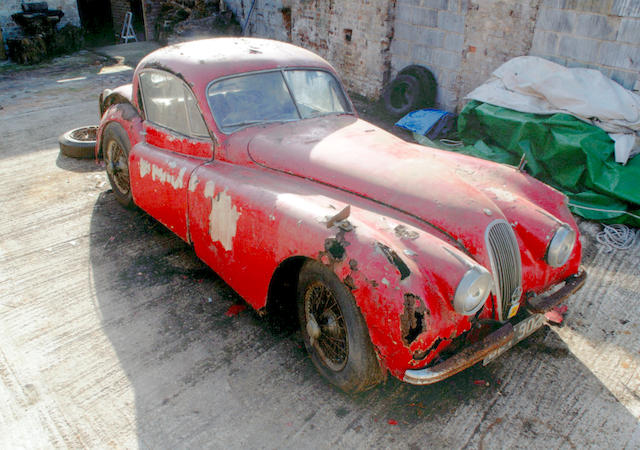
(350, 154)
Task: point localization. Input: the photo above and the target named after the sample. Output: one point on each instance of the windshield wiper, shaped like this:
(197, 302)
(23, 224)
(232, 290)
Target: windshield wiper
(243, 124)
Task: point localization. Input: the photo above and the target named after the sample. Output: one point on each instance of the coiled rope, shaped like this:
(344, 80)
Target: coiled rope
(616, 237)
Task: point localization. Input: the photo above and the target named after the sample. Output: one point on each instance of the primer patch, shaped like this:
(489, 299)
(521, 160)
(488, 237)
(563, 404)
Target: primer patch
(224, 216)
(145, 168)
(159, 174)
(502, 194)
(193, 182)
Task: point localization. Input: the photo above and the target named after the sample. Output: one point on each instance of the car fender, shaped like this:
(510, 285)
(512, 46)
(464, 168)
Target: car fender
(246, 222)
(128, 117)
(121, 94)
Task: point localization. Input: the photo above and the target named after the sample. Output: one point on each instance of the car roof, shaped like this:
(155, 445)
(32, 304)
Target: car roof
(199, 62)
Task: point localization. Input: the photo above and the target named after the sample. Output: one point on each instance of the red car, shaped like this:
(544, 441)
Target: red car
(400, 258)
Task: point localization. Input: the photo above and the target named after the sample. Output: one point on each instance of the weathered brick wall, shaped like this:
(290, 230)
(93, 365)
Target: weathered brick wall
(353, 35)
(600, 34)
(431, 33)
(495, 32)
(8, 7)
(151, 10)
(118, 9)
(461, 41)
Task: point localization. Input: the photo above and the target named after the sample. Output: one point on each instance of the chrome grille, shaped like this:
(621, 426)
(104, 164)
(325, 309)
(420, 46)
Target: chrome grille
(505, 265)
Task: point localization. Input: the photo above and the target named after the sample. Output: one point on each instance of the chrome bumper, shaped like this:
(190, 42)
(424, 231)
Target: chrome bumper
(504, 335)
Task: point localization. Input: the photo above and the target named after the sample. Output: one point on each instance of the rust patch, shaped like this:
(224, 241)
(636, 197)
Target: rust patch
(403, 233)
(412, 320)
(394, 259)
(286, 19)
(335, 248)
(419, 355)
(348, 281)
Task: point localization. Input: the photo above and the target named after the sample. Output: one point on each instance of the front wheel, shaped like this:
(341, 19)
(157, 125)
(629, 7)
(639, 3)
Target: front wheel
(334, 332)
(115, 148)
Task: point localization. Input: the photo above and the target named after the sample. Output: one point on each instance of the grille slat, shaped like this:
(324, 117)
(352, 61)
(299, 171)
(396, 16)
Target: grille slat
(505, 264)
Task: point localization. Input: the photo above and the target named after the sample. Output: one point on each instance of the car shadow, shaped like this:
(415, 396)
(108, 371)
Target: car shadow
(204, 375)
(79, 165)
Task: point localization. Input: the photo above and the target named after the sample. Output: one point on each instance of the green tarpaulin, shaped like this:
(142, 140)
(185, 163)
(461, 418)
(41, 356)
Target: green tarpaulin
(564, 152)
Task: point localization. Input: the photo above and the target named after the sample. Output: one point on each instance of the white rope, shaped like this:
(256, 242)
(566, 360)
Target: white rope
(617, 236)
(618, 211)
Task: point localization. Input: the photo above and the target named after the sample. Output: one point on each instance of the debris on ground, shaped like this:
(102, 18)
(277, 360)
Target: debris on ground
(556, 315)
(181, 20)
(616, 237)
(234, 310)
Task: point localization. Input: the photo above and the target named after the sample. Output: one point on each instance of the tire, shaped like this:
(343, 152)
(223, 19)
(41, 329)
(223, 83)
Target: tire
(326, 310)
(428, 85)
(79, 142)
(115, 149)
(402, 95)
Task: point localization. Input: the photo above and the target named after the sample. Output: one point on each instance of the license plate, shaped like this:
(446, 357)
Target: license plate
(521, 330)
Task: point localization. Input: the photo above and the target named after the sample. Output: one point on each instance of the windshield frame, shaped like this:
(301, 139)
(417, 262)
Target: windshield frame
(281, 70)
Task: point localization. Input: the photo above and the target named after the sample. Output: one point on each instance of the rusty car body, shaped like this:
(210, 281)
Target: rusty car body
(402, 259)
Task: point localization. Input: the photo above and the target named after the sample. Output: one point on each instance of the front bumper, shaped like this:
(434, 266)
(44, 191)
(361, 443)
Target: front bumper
(499, 338)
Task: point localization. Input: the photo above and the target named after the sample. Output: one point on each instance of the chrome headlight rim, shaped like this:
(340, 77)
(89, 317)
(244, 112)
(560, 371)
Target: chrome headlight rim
(561, 246)
(472, 291)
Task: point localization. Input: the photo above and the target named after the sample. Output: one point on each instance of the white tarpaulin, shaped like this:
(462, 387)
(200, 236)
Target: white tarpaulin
(534, 85)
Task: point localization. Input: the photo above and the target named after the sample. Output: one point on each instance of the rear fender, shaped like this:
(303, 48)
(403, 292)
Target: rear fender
(127, 116)
(121, 94)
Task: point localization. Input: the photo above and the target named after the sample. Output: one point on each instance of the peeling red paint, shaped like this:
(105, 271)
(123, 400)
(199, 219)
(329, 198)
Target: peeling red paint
(234, 310)
(399, 224)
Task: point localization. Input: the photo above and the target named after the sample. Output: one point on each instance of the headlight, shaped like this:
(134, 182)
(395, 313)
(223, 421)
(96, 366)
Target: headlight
(472, 291)
(561, 246)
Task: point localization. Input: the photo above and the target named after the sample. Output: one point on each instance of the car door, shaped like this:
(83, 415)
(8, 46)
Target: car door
(176, 142)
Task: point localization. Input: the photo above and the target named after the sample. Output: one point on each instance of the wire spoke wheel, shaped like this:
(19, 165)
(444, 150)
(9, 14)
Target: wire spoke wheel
(326, 326)
(117, 166)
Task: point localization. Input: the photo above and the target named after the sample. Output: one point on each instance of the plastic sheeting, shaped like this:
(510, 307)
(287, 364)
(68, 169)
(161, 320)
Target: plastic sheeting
(534, 85)
(564, 152)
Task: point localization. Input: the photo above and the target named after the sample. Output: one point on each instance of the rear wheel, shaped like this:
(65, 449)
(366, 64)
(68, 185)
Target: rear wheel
(334, 332)
(116, 146)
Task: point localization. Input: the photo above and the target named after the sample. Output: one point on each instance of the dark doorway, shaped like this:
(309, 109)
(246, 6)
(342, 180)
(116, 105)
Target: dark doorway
(96, 19)
(138, 18)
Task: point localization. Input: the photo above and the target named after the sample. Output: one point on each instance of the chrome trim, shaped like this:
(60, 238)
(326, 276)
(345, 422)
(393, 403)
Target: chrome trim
(506, 265)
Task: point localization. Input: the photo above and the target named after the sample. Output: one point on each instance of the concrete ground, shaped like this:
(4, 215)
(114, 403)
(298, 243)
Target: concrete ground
(113, 334)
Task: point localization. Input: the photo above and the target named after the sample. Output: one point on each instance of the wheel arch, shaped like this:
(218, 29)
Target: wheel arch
(281, 294)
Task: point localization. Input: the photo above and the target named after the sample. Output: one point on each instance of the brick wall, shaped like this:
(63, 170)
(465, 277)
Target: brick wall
(603, 35)
(353, 35)
(461, 41)
(495, 32)
(118, 9)
(8, 7)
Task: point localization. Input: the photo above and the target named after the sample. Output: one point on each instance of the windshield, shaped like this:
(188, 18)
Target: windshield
(278, 96)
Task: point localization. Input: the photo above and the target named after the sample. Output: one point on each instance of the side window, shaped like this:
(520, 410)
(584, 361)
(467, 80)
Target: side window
(170, 104)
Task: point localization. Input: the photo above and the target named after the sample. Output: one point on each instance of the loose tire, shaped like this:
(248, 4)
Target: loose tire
(115, 149)
(402, 95)
(79, 142)
(334, 332)
(428, 85)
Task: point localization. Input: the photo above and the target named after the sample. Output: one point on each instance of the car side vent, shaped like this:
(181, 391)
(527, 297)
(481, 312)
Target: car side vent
(506, 266)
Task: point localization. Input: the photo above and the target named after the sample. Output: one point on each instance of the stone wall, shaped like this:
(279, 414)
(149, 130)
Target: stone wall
(8, 7)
